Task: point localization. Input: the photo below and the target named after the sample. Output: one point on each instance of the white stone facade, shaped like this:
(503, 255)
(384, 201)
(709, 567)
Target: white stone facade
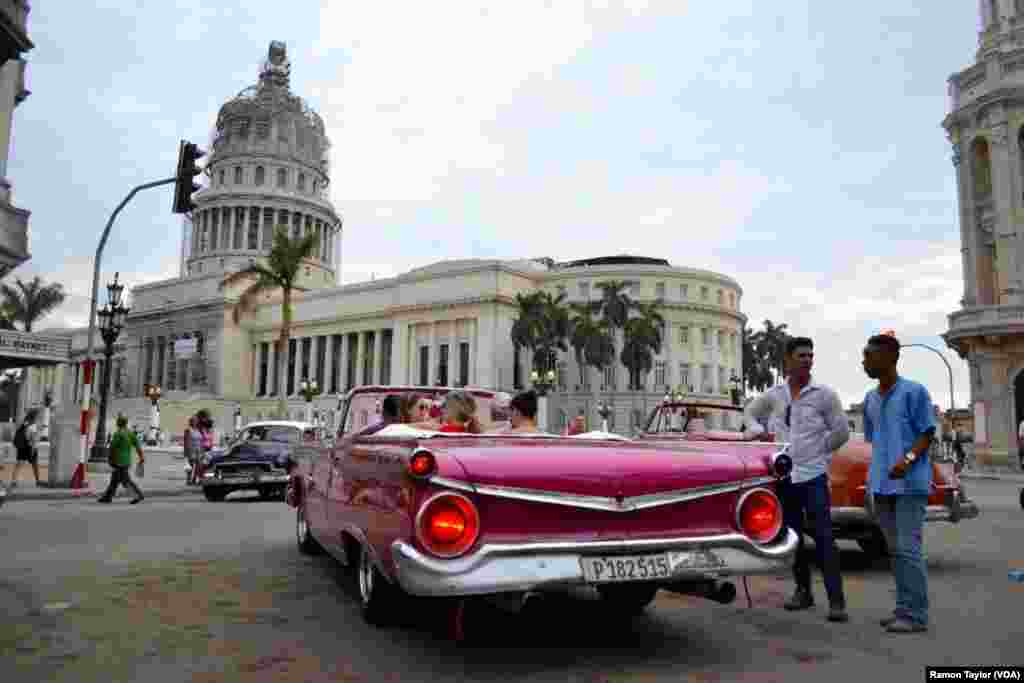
(986, 129)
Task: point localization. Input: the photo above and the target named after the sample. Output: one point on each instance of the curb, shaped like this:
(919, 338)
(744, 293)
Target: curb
(88, 493)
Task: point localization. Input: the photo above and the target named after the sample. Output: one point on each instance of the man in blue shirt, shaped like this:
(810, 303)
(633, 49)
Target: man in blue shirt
(899, 422)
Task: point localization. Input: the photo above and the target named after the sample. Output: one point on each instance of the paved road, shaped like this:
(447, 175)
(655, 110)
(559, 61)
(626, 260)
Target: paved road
(180, 590)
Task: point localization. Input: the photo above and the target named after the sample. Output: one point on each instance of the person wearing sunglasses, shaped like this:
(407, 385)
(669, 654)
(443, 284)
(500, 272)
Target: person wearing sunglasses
(809, 416)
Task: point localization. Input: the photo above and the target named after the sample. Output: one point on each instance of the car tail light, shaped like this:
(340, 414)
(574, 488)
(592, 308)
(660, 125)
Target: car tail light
(447, 525)
(422, 463)
(759, 515)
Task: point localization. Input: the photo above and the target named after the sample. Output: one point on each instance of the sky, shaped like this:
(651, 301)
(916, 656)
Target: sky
(795, 146)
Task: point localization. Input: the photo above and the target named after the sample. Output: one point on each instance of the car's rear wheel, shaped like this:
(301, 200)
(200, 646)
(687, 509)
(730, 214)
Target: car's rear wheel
(630, 598)
(377, 596)
(874, 545)
(268, 492)
(307, 544)
(215, 495)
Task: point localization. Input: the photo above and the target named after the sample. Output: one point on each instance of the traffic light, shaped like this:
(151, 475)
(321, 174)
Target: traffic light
(184, 188)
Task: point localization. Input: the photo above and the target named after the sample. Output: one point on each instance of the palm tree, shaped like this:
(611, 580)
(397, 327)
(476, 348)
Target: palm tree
(279, 272)
(756, 373)
(527, 326)
(590, 340)
(614, 307)
(772, 348)
(643, 336)
(28, 302)
(541, 326)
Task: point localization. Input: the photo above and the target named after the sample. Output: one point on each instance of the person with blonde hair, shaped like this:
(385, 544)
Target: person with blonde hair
(459, 413)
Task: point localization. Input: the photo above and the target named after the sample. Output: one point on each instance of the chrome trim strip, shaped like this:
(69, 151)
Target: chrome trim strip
(606, 503)
(933, 513)
(498, 568)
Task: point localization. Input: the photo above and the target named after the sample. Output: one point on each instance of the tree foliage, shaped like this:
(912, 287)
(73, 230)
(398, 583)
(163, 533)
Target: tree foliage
(28, 302)
(278, 272)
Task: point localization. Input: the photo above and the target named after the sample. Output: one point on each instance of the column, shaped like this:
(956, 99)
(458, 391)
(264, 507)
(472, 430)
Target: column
(399, 339)
(343, 370)
(298, 362)
(328, 362)
(360, 354)
(432, 355)
(314, 358)
(1004, 196)
(486, 374)
(471, 330)
(378, 355)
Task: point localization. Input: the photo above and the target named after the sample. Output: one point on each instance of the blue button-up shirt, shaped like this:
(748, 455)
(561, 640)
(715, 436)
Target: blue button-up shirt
(892, 423)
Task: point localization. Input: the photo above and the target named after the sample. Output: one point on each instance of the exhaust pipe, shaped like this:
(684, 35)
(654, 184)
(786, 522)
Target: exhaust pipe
(723, 592)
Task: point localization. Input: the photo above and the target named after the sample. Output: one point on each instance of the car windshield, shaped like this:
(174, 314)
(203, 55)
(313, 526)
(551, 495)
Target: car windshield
(694, 418)
(276, 433)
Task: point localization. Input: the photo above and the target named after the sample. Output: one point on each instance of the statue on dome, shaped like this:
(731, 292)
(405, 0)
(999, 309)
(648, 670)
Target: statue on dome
(276, 69)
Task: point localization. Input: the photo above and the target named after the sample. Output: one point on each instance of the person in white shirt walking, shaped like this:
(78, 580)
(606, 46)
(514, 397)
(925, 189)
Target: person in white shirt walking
(809, 416)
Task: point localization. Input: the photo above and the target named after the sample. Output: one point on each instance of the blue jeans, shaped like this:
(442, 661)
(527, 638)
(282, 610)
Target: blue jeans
(902, 520)
(812, 498)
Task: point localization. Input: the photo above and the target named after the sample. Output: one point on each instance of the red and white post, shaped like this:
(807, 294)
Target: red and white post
(78, 480)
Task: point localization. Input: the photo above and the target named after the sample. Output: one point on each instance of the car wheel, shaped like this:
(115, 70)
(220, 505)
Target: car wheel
(874, 545)
(628, 598)
(215, 495)
(267, 492)
(376, 595)
(307, 544)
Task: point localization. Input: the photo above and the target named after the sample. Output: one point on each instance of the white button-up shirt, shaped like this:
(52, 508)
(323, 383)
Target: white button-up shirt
(817, 425)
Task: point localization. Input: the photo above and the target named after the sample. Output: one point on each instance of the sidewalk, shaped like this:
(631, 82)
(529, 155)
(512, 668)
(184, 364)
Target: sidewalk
(165, 477)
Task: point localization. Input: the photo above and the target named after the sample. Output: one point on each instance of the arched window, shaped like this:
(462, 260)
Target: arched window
(981, 167)
(238, 175)
(301, 184)
(260, 175)
(282, 177)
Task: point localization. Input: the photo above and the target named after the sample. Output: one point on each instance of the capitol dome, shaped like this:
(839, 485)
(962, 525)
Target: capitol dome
(268, 167)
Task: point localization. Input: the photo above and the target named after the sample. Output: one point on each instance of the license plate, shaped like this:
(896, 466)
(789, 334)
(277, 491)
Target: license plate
(630, 568)
(647, 567)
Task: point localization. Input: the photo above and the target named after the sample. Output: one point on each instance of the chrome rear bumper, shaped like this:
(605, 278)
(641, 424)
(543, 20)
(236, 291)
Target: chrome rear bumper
(953, 512)
(501, 568)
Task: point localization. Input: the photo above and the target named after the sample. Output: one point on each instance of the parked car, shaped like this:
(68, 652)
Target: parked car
(708, 425)
(257, 460)
(447, 515)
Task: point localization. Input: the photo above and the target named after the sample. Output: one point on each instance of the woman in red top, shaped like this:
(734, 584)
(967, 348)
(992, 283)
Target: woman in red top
(459, 412)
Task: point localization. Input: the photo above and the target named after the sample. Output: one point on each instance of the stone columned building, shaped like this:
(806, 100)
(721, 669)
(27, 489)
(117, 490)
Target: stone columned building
(986, 128)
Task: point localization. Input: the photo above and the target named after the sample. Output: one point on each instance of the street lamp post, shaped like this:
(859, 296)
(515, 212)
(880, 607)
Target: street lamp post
(111, 323)
(153, 392)
(952, 409)
(542, 382)
(309, 389)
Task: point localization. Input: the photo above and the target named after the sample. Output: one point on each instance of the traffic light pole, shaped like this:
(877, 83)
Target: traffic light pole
(79, 476)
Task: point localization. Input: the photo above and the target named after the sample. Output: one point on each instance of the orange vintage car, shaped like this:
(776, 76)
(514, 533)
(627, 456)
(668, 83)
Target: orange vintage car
(709, 426)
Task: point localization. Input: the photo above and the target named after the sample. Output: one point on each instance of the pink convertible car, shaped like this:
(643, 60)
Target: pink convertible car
(426, 513)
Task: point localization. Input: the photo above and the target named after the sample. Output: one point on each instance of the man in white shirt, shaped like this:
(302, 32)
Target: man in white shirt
(809, 416)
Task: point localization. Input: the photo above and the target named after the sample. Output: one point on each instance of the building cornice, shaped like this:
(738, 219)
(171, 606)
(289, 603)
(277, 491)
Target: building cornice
(631, 271)
(968, 113)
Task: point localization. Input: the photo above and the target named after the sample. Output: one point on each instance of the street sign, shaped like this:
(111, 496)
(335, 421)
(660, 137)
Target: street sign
(184, 348)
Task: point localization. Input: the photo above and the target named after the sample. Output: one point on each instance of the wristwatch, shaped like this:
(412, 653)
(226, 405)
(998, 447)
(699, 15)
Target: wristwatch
(910, 457)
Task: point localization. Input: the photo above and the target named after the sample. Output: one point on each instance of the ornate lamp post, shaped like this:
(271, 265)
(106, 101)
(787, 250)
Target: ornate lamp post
(47, 403)
(238, 419)
(309, 389)
(111, 323)
(542, 382)
(153, 392)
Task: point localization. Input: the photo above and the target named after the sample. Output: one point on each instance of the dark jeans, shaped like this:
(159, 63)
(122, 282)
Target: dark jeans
(121, 475)
(812, 497)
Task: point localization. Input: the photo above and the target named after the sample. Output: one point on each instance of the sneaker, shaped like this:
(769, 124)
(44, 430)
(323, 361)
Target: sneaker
(837, 612)
(103, 500)
(905, 626)
(802, 599)
(884, 623)
(136, 501)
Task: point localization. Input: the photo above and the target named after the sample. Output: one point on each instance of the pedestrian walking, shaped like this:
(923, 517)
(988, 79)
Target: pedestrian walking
(899, 422)
(191, 442)
(122, 444)
(810, 417)
(26, 439)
